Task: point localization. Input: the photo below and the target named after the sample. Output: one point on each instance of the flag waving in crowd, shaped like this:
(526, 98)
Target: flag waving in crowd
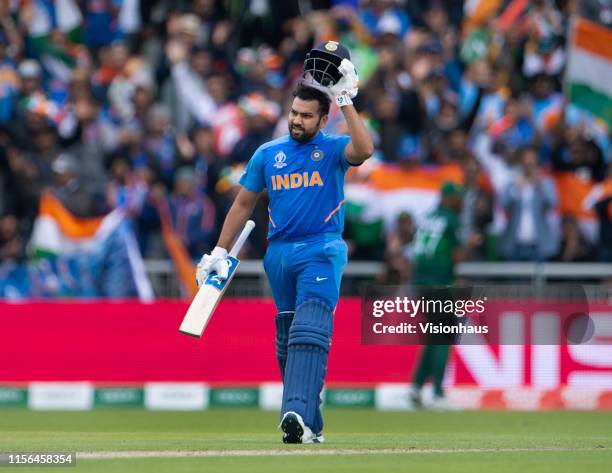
(589, 68)
(78, 257)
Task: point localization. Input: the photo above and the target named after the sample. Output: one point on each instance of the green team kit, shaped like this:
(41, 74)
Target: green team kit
(435, 243)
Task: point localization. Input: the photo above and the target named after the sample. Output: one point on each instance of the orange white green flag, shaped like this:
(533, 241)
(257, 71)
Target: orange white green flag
(588, 76)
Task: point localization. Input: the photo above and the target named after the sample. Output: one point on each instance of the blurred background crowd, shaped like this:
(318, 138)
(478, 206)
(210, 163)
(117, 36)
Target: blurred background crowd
(154, 107)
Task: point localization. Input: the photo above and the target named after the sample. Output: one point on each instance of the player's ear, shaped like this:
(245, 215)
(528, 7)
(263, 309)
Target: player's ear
(323, 121)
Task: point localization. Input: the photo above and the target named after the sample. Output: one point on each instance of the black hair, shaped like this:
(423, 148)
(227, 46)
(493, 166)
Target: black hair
(305, 92)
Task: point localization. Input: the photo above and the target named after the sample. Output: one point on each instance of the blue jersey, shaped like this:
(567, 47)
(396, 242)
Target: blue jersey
(305, 183)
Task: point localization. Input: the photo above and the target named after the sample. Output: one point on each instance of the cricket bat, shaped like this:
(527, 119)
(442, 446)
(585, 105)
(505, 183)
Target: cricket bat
(210, 293)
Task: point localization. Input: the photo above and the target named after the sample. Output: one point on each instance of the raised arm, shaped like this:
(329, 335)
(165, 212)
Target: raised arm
(361, 147)
(200, 104)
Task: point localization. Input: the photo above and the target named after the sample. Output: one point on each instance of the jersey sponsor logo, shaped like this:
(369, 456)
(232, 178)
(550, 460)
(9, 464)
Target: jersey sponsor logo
(279, 160)
(296, 180)
(317, 155)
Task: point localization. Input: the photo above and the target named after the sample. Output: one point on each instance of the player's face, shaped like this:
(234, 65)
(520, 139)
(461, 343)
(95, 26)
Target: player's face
(305, 119)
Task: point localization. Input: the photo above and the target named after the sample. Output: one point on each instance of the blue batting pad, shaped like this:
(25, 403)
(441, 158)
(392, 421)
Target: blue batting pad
(283, 324)
(308, 347)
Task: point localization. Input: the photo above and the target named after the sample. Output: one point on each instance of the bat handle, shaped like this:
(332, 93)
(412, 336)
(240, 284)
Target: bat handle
(244, 234)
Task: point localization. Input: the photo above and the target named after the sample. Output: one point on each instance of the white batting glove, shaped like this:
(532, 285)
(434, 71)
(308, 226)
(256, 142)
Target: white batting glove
(348, 86)
(216, 262)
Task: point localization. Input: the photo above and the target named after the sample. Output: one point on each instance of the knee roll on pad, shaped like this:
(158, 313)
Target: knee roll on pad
(312, 325)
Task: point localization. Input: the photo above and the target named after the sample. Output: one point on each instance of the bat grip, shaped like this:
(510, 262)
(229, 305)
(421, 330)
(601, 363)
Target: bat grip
(244, 234)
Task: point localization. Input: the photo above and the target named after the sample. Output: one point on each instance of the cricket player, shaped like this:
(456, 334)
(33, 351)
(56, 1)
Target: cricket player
(437, 249)
(303, 173)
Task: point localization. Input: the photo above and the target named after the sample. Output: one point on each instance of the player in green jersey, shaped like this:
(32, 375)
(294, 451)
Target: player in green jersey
(436, 250)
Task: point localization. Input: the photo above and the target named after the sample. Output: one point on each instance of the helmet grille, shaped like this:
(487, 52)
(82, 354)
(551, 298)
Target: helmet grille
(321, 69)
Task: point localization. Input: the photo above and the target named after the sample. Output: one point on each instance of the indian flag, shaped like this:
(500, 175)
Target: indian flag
(388, 190)
(588, 76)
(477, 12)
(577, 198)
(57, 232)
(380, 192)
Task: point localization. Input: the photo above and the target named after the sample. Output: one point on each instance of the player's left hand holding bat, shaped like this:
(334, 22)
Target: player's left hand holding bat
(216, 262)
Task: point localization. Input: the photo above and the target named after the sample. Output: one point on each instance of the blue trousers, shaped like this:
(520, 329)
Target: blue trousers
(306, 268)
(305, 274)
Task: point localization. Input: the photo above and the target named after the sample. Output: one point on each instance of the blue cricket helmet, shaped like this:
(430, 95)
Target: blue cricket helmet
(322, 62)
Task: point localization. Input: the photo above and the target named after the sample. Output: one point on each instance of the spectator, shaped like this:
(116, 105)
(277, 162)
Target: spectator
(419, 8)
(579, 155)
(477, 210)
(129, 187)
(200, 67)
(574, 247)
(72, 189)
(44, 148)
(159, 145)
(146, 194)
(514, 130)
(193, 215)
(83, 133)
(189, 85)
(384, 16)
(120, 177)
(199, 152)
(103, 26)
(528, 200)
(546, 102)
(543, 51)
(209, 13)
(9, 81)
(259, 117)
(30, 74)
(12, 246)
(399, 254)
(603, 210)
(189, 30)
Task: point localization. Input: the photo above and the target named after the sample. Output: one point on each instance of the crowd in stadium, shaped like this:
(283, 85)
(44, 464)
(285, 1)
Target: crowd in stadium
(149, 105)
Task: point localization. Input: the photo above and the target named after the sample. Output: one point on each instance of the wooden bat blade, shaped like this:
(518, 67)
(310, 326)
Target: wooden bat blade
(205, 302)
(200, 311)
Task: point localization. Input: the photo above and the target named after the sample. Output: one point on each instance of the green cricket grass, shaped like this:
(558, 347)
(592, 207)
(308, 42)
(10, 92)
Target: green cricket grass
(525, 442)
